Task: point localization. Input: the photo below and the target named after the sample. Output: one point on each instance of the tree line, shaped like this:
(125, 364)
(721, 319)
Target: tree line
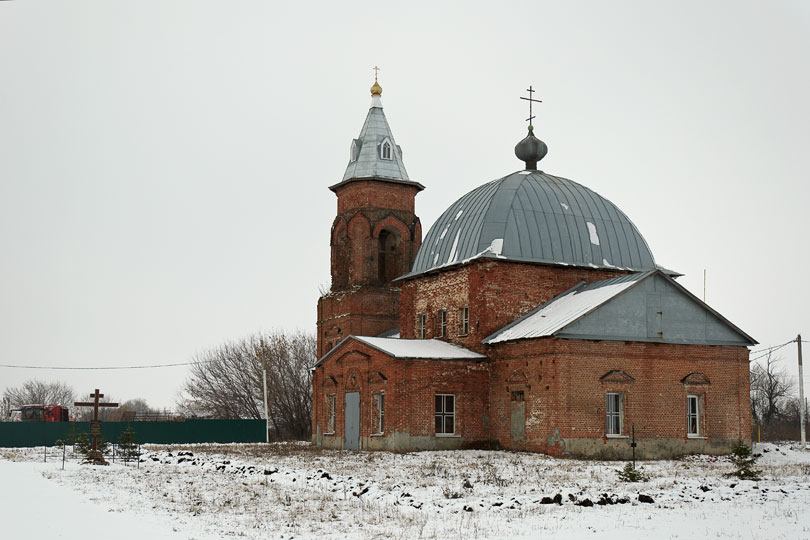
(224, 382)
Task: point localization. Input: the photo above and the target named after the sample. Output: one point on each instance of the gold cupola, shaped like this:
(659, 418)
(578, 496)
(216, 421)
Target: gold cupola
(376, 89)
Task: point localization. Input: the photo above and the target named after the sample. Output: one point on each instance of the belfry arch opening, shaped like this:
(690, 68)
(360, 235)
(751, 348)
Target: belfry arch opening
(389, 256)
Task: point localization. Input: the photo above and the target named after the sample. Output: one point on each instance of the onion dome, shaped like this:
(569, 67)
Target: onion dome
(376, 89)
(531, 150)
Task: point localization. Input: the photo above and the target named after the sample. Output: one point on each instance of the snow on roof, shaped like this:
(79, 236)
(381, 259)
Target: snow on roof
(565, 309)
(419, 348)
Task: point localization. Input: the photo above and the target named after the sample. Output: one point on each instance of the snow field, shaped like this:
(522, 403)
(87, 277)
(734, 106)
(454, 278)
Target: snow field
(297, 491)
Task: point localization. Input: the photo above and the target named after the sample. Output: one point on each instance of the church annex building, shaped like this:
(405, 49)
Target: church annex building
(532, 317)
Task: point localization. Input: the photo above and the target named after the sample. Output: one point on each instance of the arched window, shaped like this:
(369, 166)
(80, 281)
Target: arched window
(388, 258)
(386, 149)
(354, 151)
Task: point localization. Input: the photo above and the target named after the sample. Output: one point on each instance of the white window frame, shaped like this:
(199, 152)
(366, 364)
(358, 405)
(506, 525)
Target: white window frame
(330, 413)
(440, 411)
(421, 325)
(465, 320)
(387, 144)
(614, 417)
(442, 323)
(353, 152)
(693, 415)
(379, 413)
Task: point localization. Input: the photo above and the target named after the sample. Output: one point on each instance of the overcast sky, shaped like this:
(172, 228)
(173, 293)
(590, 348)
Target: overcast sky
(164, 165)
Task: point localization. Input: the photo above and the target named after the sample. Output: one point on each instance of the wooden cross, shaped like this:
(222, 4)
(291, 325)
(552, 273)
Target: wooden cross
(95, 425)
(531, 100)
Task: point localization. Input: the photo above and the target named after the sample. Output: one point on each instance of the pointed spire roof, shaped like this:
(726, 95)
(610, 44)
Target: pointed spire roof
(375, 153)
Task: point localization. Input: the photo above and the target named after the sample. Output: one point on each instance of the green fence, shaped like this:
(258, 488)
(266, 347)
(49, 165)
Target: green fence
(21, 434)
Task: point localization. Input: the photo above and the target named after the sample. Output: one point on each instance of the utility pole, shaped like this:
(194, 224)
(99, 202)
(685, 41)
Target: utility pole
(266, 412)
(802, 405)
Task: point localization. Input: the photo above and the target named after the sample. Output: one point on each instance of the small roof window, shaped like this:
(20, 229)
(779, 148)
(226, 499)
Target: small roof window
(386, 149)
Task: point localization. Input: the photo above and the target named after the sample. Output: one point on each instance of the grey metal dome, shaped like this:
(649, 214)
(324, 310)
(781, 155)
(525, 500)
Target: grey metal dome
(532, 216)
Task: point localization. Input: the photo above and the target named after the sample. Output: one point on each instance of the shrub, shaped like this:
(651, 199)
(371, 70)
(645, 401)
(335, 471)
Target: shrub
(744, 462)
(632, 474)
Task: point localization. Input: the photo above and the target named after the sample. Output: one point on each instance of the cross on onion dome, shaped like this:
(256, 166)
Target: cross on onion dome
(531, 100)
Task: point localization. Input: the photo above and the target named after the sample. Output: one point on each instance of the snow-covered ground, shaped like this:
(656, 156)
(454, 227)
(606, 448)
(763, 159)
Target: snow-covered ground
(296, 491)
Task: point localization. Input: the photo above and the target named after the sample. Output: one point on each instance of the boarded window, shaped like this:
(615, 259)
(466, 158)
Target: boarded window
(330, 413)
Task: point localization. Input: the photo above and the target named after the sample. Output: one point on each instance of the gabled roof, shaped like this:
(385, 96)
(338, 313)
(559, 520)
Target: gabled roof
(566, 308)
(428, 349)
(674, 315)
(368, 162)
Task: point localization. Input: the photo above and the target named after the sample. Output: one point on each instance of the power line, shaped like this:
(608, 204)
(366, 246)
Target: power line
(771, 350)
(774, 347)
(153, 366)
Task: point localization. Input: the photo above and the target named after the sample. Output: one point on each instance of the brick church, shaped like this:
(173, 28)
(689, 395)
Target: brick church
(532, 317)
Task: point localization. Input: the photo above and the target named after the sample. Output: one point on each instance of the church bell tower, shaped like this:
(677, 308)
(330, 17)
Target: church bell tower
(374, 238)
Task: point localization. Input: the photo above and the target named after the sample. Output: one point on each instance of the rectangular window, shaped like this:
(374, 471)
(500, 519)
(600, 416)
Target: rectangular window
(693, 415)
(379, 413)
(465, 320)
(445, 414)
(421, 324)
(330, 413)
(442, 323)
(613, 414)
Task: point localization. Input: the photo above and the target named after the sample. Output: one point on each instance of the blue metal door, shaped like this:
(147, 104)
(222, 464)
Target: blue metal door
(352, 425)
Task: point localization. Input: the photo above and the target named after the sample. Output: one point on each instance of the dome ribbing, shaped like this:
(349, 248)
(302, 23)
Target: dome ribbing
(531, 216)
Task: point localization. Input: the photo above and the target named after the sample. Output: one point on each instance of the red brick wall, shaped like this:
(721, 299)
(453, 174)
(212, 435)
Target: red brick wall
(376, 194)
(368, 311)
(409, 387)
(363, 300)
(565, 398)
(497, 293)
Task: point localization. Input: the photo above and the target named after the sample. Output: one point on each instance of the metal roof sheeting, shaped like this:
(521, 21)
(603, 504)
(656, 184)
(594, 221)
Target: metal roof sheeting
(420, 348)
(369, 162)
(427, 349)
(532, 216)
(565, 309)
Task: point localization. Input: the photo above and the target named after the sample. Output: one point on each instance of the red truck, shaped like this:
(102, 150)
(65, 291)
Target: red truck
(43, 413)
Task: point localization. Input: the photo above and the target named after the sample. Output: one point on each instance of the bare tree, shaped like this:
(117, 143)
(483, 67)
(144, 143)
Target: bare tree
(226, 382)
(39, 392)
(771, 388)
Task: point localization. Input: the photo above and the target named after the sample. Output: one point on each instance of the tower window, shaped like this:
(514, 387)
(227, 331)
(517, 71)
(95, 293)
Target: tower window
(386, 150)
(388, 262)
(421, 323)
